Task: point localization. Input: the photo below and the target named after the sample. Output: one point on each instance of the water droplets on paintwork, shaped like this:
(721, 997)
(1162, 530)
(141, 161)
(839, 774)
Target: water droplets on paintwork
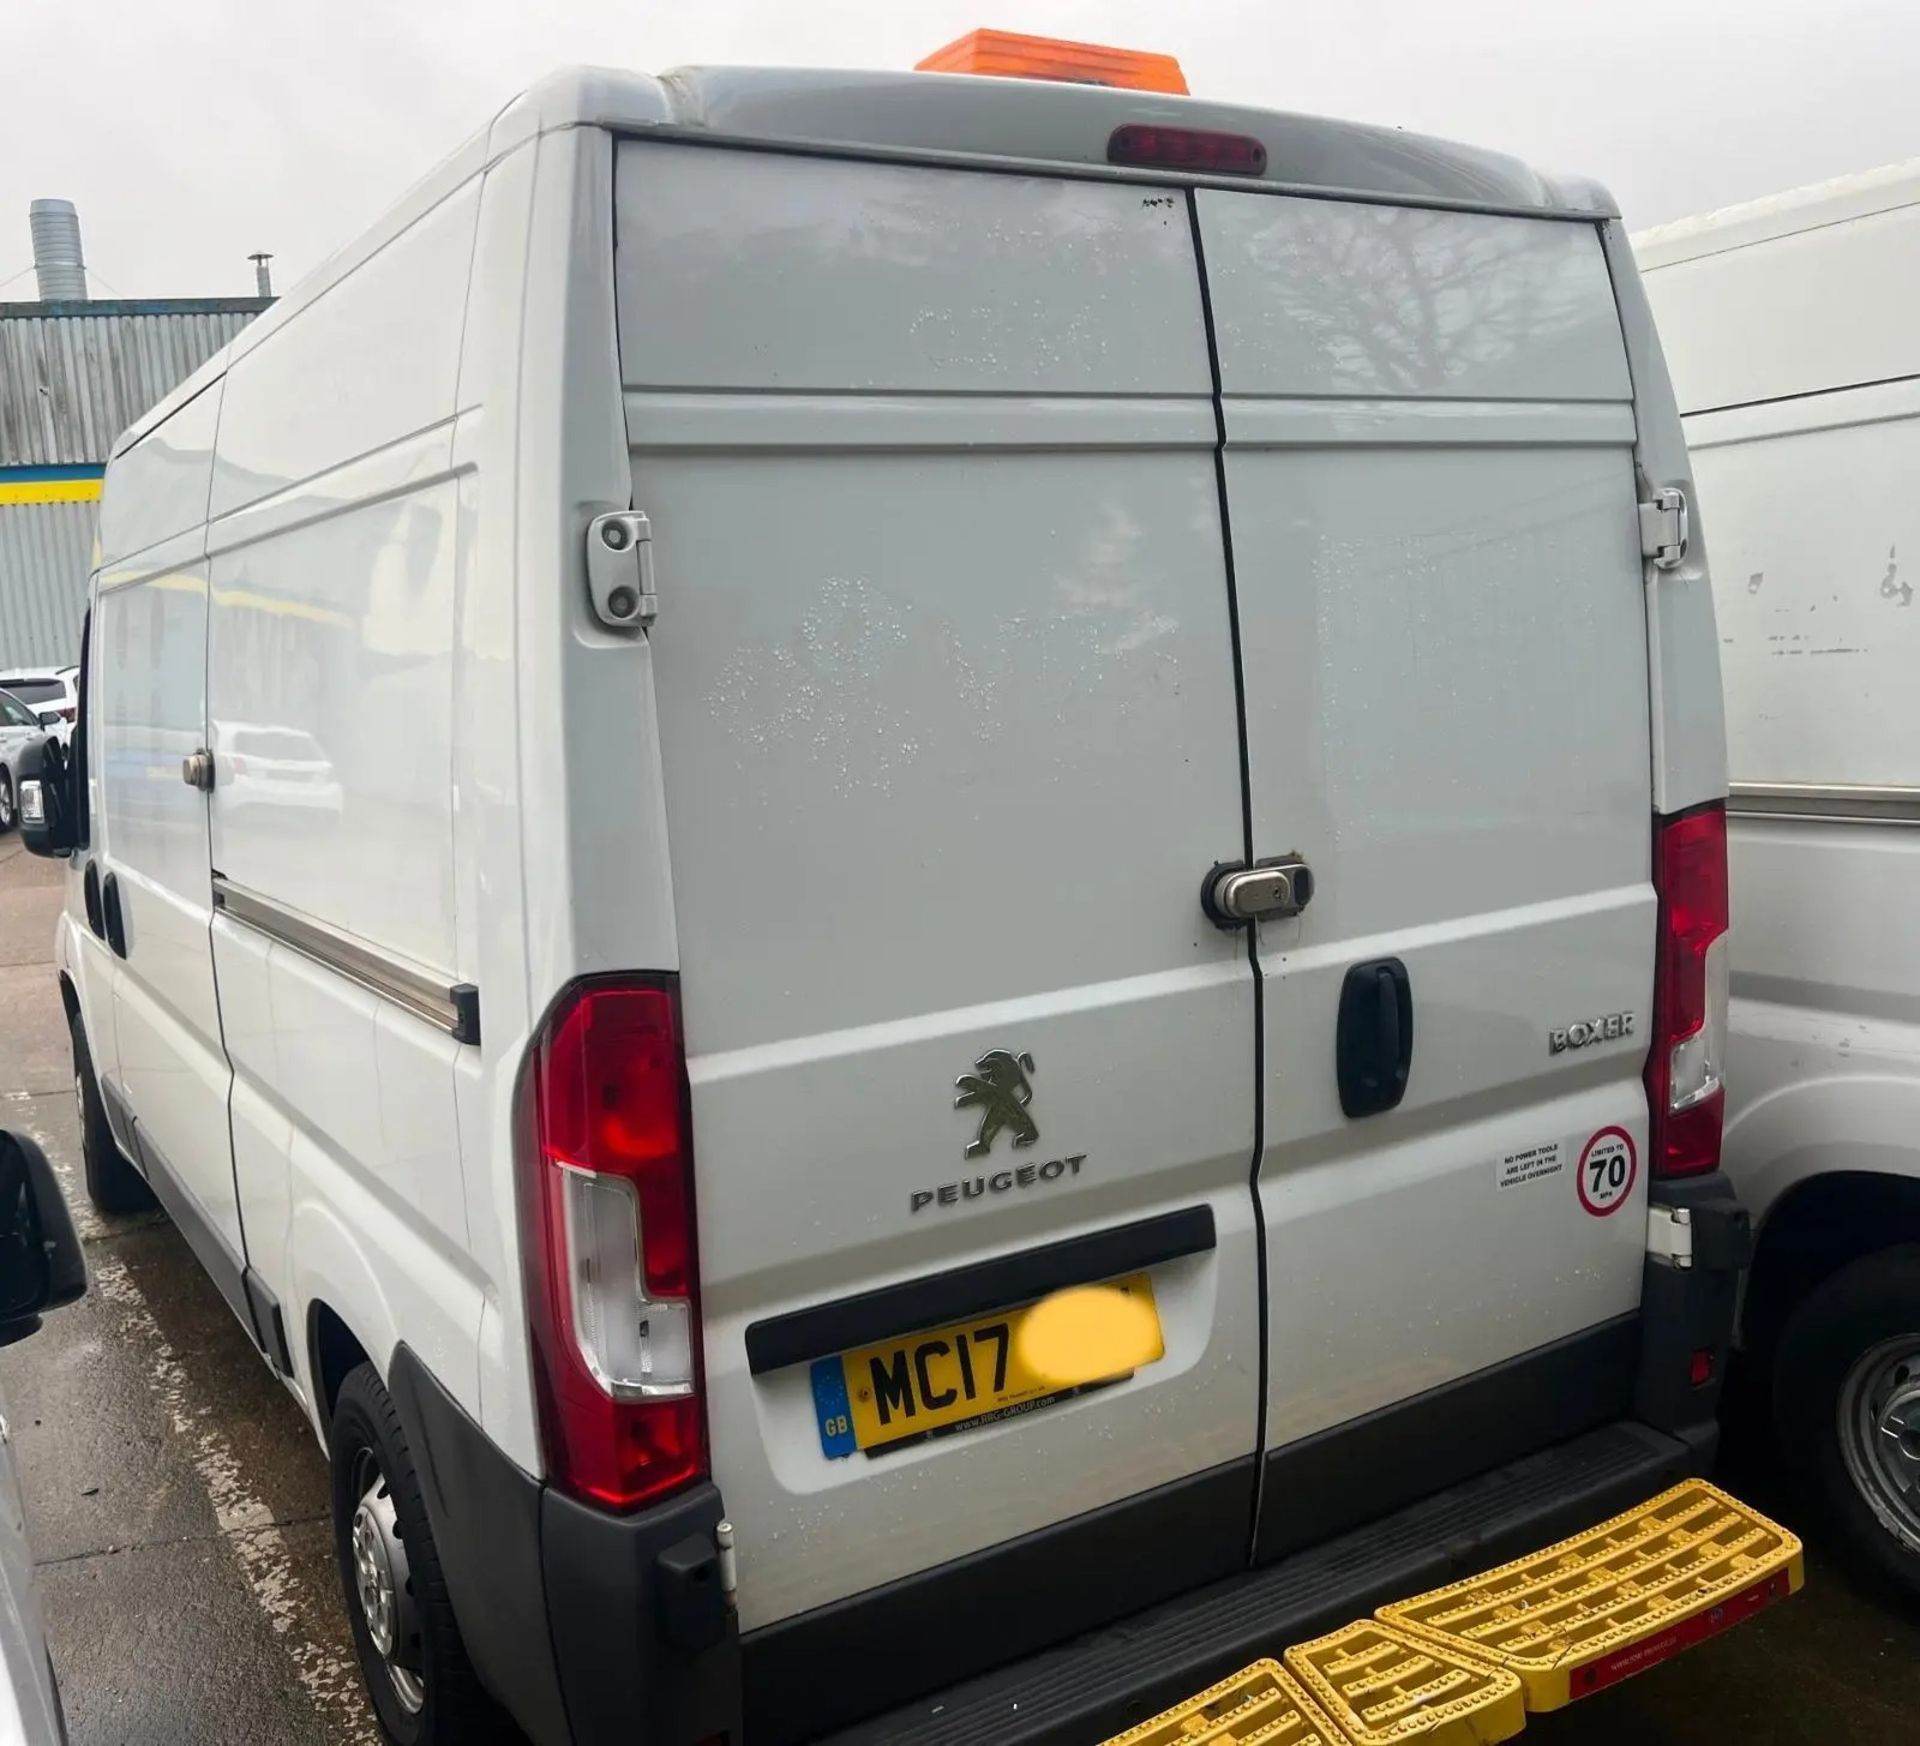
(824, 689)
(867, 682)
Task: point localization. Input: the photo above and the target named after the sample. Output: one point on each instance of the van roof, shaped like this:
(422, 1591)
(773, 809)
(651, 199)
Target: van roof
(961, 119)
(1777, 215)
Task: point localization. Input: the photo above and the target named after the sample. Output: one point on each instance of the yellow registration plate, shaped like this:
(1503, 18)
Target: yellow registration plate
(927, 1384)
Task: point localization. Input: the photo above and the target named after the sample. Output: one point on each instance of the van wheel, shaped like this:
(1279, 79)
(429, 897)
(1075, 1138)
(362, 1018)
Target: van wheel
(113, 1185)
(1847, 1410)
(424, 1689)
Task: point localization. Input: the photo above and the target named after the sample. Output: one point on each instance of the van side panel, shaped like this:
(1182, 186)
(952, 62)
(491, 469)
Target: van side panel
(151, 627)
(1822, 303)
(489, 890)
(369, 362)
(1820, 641)
(1795, 355)
(330, 697)
(160, 484)
(947, 720)
(157, 491)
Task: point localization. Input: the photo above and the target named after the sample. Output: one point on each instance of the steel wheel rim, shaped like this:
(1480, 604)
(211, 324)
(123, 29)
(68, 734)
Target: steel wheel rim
(1880, 1434)
(381, 1584)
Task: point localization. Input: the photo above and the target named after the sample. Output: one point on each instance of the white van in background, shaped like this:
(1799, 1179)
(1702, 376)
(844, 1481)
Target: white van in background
(893, 693)
(1789, 325)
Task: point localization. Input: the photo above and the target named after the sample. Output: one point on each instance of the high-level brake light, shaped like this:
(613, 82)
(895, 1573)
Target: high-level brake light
(1008, 55)
(1686, 1091)
(1187, 148)
(607, 1211)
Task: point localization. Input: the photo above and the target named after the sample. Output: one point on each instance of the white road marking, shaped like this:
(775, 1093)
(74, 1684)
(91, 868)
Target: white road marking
(266, 1565)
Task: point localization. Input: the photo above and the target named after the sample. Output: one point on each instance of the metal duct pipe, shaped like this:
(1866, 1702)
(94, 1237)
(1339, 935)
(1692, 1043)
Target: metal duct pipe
(262, 279)
(56, 251)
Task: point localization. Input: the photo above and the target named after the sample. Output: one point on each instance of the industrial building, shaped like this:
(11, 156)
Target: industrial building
(74, 373)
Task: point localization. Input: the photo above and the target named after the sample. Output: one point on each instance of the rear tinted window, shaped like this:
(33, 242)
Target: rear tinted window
(35, 690)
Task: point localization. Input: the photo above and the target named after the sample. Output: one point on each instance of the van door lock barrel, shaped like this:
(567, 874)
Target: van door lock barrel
(1234, 894)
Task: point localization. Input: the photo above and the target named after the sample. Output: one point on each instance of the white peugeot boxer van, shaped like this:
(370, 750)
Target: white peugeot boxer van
(1797, 357)
(896, 693)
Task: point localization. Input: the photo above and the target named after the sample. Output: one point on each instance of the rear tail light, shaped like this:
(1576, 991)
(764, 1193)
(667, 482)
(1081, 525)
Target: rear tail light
(607, 1211)
(1686, 1091)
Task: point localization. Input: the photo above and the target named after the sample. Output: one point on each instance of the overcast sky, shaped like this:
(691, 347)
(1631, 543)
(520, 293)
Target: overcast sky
(190, 132)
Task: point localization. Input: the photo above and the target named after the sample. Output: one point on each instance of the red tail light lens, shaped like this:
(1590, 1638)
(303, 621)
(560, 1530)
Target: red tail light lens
(607, 1209)
(1686, 1091)
(1187, 148)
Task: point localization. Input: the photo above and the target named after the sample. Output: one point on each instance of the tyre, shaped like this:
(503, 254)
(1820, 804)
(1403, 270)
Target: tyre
(6, 801)
(113, 1185)
(1847, 1410)
(422, 1686)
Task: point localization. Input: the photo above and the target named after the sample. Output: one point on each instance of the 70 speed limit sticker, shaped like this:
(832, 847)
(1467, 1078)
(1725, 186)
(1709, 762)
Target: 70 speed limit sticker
(1608, 1166)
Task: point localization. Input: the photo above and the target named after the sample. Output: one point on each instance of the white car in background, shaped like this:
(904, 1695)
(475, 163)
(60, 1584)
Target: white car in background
(52, 693)
(20, 727)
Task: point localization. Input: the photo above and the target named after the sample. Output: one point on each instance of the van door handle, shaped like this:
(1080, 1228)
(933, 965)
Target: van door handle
(110, 914)
(1373, 1037)
(90, 891)
(1386, 1004)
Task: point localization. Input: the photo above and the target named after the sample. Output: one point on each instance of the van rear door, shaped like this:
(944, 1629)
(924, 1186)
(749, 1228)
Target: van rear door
(1429, 429)
(946, 709)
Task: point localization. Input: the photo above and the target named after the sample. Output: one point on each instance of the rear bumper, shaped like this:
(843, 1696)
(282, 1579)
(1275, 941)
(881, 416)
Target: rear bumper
(596, 1629)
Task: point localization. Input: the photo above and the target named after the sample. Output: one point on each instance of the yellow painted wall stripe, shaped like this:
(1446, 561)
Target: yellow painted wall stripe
(49, 490)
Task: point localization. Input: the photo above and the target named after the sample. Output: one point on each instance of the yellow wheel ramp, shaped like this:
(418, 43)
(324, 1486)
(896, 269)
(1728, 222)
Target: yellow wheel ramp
(1462, 1665)
(1606, 1604)
(1261, 1705)
(1382, 1686)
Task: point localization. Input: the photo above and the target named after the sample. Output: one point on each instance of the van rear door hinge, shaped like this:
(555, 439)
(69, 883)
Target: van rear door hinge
(1663, 529)
(620, 570)
(1670, 1235)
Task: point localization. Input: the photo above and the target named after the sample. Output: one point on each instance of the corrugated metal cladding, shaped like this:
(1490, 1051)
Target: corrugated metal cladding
(46, 554)
(73, 376)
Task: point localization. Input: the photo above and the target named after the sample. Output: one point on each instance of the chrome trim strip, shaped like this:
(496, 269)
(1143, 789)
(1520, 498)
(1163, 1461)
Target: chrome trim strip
(1840, 802)
(455, 1010)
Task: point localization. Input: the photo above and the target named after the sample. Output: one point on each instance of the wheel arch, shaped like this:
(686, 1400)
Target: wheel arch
(345, 1317)
(334, 1351)
(1828, 1165)
(1824, 1222)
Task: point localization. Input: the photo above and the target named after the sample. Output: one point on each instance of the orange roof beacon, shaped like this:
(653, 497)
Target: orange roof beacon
(1008, 55)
